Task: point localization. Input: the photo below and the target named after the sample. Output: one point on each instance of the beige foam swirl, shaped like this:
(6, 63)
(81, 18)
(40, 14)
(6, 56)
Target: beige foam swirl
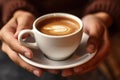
(57, 28)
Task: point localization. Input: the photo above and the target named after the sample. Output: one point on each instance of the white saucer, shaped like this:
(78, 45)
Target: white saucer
(79, 57)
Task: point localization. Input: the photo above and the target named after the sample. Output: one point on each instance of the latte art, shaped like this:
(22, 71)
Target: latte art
(58, 26)
(57, 29)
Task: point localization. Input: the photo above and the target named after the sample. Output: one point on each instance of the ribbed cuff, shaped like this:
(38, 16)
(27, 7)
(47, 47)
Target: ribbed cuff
(11, 6)
(111, 7)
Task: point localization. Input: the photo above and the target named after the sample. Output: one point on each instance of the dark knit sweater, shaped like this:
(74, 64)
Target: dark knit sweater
(76, 7)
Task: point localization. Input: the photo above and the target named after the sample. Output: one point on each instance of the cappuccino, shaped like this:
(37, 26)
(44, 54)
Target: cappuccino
(58, 26)
(57, 35)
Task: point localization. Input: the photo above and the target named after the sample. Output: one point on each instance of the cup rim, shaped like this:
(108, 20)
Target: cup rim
(67, 15)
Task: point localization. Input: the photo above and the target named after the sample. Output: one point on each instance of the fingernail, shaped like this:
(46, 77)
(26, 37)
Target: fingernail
(91, 48)
(28, 54)
(36, 72)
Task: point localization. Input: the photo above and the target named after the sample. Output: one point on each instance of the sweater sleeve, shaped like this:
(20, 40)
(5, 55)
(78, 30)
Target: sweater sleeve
(111, 7)
(10, 6)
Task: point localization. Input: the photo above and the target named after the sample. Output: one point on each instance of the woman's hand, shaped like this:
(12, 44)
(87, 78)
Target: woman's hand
(98, 40)
(10, 45)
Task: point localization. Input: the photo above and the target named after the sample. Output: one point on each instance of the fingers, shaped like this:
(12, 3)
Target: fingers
(95, 33)
(14, 44)
(12, 28)
(24, 22)
(94, 27)
(15, 58)
(99, 57)
(102, 52)
(92, 44)
(98, 41)
(84, 69)
(7, 36)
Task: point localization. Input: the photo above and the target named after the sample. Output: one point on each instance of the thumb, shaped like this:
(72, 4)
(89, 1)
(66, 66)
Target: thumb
(24, 22)
(95, 37)
(92, 44)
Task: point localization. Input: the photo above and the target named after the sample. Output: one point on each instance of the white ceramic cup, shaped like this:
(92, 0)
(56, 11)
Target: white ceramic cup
(54, 47)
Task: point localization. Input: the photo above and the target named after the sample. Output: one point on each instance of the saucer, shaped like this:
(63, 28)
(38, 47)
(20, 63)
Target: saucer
(79, 57)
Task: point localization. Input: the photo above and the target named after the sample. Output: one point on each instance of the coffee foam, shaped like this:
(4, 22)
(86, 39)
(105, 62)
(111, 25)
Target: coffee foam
(57, 29)
(58, 26)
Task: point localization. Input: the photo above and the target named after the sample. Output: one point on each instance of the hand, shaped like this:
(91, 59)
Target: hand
(98, 40)
(10, 45)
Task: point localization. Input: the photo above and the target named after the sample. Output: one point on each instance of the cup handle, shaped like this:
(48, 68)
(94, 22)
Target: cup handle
(27, 44)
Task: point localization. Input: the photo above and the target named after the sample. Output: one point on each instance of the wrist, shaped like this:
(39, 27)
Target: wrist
(104, 17)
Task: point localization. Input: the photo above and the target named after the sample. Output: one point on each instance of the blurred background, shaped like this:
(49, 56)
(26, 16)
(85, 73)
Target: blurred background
(111, 66)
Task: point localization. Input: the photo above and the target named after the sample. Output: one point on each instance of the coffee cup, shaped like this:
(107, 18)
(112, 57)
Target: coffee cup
(57, 35)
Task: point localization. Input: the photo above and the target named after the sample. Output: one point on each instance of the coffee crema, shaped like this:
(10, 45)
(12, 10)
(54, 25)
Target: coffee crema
(58, 26)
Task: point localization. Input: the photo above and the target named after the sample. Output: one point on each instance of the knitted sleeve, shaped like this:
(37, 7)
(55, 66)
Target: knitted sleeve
(10, 6)
(111, 7)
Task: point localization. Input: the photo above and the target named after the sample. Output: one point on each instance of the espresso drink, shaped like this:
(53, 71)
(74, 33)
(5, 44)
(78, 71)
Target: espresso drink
(57, 26)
